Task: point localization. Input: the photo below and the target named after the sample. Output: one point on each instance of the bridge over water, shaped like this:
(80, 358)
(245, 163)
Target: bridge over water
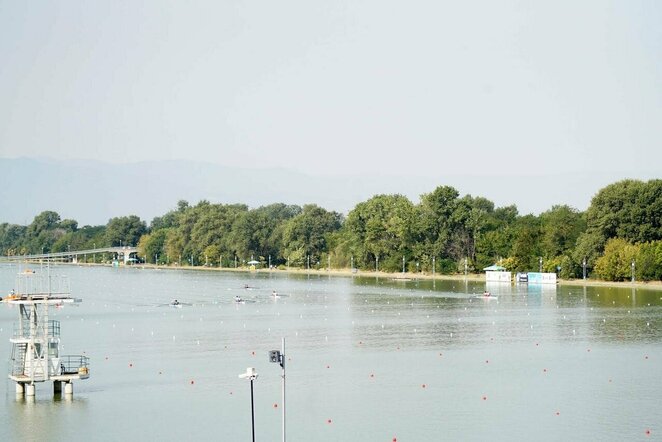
(125, 253)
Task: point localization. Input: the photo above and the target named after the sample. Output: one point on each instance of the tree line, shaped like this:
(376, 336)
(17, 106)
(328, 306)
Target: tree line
(619, 233)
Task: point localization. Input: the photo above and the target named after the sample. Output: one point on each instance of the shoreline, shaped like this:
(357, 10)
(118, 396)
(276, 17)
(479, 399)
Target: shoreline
(650, 285)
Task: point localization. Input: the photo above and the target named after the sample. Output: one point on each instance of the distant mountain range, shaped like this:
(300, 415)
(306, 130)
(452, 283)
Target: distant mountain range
(92, 192)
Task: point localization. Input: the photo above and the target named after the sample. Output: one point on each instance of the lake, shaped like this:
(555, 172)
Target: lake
(368, 359)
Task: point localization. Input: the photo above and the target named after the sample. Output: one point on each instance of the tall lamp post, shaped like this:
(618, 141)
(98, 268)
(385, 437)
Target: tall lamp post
(251, 375)
(540, 264)
(278, 357)
(633, 270)
(584, 267)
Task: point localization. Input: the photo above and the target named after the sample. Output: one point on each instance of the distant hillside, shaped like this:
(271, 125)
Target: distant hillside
(92, 192)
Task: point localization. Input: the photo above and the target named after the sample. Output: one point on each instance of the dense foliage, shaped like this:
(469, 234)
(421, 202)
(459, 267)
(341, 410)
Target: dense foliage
(622, 226)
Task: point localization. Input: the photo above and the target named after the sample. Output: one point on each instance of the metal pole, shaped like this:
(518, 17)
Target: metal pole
(541, 264)
(584, 266)
(403, 264)
(633, 270)
(252, 411)
(282, 352)
(433, 266)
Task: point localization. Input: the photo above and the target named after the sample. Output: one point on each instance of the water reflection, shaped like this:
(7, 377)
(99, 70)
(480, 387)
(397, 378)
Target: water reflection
(44, 416)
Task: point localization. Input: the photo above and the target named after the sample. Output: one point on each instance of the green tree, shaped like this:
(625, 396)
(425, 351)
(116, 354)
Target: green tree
(125, 230)
(526, 247)
(470, 220)
(434, 221)
(381, 228)
(497, 236)
(649, 261)
(615, 264)
(11, 236)
(560, 229)
(628, 209)
(308, 233)
(153, 244)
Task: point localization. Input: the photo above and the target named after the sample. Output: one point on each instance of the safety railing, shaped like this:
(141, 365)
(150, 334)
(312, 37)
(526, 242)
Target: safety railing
(23, 332)
(74, 364)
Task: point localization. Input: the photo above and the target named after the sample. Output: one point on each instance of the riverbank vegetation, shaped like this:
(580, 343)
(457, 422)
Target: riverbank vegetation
(444, 230)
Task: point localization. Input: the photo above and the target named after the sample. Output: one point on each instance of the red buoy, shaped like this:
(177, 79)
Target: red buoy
(192, 382)
(328, 421)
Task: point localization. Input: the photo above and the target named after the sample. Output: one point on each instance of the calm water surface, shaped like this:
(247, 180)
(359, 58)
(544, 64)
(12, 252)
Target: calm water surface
(368, 360)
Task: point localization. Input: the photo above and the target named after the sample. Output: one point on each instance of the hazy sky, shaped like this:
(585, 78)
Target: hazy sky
(434, 88)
